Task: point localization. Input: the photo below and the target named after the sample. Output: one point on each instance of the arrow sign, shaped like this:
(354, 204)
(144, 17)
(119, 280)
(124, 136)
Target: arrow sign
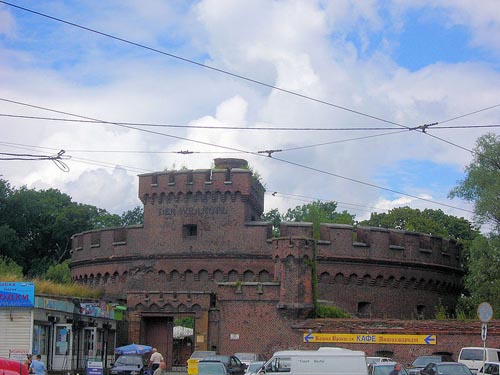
(308, 337)
(484, 331)
(429, 339)
(371, 338)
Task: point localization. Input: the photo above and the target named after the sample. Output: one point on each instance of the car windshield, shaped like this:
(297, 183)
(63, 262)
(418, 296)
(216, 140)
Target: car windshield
(220, 358)
(472, 354)
(386, 369)
(424, 361)
(246, 356)
(254, 366)
(128, 360)
(211, 368)
(453, 370)
(201, 354)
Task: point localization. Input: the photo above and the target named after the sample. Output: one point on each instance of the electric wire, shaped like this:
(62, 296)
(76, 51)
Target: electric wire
(77, 159)
(469, 114)
(255, 154)
(235, 75)
(305, 198)
(219, 70)
(216, 127)
(341, 141)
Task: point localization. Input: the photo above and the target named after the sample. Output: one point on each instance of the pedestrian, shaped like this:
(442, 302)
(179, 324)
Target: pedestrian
(37, 366)
(27, 362)
(155, 359)
(397, 369)
(162, 369)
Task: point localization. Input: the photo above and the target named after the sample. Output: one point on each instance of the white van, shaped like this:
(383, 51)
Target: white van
(327, 360)
(473, 357)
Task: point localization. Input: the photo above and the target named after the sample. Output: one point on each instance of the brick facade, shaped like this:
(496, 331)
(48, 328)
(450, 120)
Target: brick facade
(203, 252)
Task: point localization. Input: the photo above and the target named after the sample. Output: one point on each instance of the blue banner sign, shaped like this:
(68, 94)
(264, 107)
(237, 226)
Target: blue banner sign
(16, 294)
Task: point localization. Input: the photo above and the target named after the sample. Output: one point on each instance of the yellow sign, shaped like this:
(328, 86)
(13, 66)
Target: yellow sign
(373, 338)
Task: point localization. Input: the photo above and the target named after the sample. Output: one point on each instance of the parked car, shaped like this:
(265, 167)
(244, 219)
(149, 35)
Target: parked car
(12, 367)
(474, 357)
(446, 368)
(419, 363)
(254, 367)
(490, 368)
(129, 364)
(370, 360)
(384, 368)
(201, 354)
(212, 368)
(232, 363)
(248, 358)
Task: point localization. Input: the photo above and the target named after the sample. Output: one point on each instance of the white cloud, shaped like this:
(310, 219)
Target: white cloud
(297, 45)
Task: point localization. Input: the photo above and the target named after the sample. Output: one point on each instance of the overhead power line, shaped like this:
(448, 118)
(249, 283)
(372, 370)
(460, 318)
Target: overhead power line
(233, 127)
(219, 70)
(248, 153)
(209, 127)
(56, 159)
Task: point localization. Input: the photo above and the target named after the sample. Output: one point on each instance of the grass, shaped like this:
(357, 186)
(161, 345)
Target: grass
(55, 289)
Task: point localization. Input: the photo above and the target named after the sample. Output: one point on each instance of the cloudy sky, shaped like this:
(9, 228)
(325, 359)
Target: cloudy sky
(345, 81)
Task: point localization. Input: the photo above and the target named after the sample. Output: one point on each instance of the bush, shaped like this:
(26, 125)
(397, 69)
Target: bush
(323, 311)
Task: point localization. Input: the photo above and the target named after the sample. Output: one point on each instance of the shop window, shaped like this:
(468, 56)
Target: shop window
(40, 339)
(190, 230)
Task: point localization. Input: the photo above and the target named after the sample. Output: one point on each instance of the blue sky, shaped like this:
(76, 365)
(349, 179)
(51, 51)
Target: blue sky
(404, 62)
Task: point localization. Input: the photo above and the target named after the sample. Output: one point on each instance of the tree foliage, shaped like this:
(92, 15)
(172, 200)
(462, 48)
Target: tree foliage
(10, 268)
(316, 213)
(434, 222)
(482, 281)
(482, 182)
(59, 273)
(36, 225)
(481, 186)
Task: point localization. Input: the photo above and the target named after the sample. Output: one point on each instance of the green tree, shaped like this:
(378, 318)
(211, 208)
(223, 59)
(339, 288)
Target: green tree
(482, 182)
(481, 186)
(434, 222)
(10, 268)
(59, 273)
(482, 281)
(316, 213)
(133, 217)
(273, 217)
(36, 226)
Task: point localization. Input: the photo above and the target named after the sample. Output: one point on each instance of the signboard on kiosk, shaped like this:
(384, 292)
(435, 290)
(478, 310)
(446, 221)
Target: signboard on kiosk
(17, 294)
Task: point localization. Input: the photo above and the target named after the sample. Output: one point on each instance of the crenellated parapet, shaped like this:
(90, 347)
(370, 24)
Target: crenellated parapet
(229, 179)
(370, 243)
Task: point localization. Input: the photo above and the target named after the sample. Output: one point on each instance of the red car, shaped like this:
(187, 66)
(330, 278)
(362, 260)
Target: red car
(12, 367)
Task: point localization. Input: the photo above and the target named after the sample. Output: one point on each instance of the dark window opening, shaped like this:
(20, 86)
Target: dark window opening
(364, 309)
(154, 179)
(190, 177)
(190, 230)
(420, 311)
(213, 300)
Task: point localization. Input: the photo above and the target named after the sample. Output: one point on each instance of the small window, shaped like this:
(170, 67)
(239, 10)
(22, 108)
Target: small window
(420, 311)
(190, 230)
(364, 309)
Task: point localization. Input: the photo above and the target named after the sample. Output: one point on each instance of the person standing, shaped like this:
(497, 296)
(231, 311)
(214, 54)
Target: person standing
(37, 366)
(27, 362)
(397, 369)
(162, 370)
(155, 359)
